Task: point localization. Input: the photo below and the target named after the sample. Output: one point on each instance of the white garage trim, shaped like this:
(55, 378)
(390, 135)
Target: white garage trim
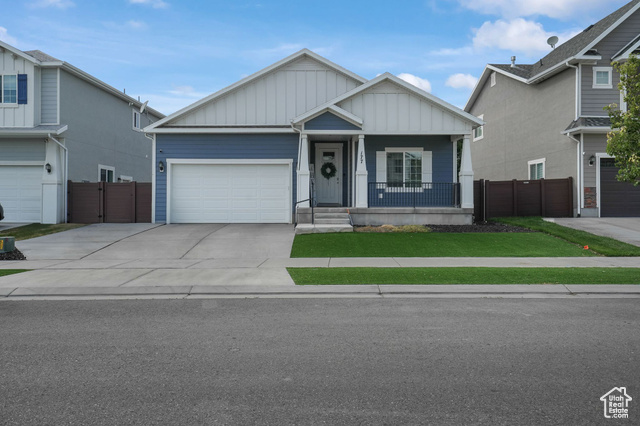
(179, 161)
(599, 155)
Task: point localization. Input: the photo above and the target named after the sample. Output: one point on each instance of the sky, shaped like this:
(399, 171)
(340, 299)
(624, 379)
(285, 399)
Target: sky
(173, 53)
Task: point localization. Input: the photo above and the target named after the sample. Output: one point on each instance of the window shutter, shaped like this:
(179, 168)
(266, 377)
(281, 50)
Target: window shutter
(427, 167)
(381, 166)
(22, 89)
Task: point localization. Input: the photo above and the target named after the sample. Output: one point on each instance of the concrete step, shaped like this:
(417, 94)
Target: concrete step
(332, 221)
(307, 228)
(331, 215)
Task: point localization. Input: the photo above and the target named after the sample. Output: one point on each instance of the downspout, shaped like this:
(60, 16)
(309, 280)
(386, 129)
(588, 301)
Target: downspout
(66, 175)
(153, 175)
(577, 111)
(579, 172)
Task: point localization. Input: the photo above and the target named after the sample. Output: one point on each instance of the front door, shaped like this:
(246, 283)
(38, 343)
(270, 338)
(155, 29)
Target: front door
(328, 174)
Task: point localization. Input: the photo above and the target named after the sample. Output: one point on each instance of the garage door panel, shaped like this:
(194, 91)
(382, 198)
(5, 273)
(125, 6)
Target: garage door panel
(230, 193)
(21, 193)
(617, 199)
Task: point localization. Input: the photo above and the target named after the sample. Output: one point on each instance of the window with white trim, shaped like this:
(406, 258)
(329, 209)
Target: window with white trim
(404, 167)
(536, 169)
(478, 132)
(9, 89)
(493, 79)
(136, 120)
(602, 77)
(105, 173)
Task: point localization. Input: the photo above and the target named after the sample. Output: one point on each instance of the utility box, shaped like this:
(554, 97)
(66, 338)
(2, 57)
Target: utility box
(7, 244)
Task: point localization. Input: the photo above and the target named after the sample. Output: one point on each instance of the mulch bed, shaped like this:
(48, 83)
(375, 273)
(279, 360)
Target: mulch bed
(478, 227)
(13, 255)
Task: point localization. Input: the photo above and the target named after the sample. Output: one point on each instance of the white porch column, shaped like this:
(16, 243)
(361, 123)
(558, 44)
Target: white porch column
(466, 175)
(303, 171)
(52, 196)
(362, 194)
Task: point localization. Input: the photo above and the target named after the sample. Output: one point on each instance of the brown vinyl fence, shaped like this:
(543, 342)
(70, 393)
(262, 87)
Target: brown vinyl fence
(543, 197)
(105, 202)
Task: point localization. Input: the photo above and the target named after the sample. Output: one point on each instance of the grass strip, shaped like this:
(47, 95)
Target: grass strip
(5, 272)
(340, 276)
(434, 245)
(38, 230)
(602, 245)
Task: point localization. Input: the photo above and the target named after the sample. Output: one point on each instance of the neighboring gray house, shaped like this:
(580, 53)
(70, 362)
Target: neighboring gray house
(58, 123)
(546, 120)
(304, 128)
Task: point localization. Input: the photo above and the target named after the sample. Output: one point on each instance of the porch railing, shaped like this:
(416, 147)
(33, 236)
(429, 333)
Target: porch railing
(433, 194)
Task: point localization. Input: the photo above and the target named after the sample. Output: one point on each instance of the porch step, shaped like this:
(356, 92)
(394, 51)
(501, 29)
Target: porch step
(308, 228)
(332, 218)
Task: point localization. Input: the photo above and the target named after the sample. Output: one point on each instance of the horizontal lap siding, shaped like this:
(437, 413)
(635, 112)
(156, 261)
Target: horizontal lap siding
(220, 147)
(328, 121)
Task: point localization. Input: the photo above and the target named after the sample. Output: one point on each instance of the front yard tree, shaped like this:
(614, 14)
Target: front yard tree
(623, 142)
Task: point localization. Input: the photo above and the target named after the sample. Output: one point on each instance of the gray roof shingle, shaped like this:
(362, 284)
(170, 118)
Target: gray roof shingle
(589, 122)
(41, 56)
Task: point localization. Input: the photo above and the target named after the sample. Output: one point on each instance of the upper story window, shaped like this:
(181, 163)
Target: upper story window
(602, 77)
(536, 169)
(478, 132)
(9, 85)
(136, 120)
(493, 79)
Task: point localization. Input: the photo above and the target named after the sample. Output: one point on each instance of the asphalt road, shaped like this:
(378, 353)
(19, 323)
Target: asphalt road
(317, 361)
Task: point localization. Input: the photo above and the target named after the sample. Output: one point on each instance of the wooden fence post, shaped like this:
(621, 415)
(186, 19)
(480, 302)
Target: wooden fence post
(543, 204)
(514, 192)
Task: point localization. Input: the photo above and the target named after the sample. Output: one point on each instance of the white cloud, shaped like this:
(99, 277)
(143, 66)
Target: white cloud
(156, 4)
(60, 4)
(516, 35)
(420, 83)
(136, 25)
(461, 81)
(4, 36)
(515, 8)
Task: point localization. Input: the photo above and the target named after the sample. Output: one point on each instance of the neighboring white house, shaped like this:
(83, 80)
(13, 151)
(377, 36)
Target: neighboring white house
(58, 123)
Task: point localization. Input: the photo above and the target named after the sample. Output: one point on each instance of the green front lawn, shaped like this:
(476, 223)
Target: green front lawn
(5, 272)
(434, 245)
(602, 245)
(38, 230)
(326, 276)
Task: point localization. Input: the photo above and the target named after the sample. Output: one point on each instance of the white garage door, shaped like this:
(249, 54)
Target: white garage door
(230, 193)
(21, 193)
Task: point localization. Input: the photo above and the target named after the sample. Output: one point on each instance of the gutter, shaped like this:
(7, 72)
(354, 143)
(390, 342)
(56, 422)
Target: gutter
(66, 175)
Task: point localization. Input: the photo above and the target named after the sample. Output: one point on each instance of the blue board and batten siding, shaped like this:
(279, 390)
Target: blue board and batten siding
(328, 121)
(220, 147)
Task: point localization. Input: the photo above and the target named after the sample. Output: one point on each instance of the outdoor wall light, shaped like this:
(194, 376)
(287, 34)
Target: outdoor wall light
(161, 167)
(47, 167)
(592, 160)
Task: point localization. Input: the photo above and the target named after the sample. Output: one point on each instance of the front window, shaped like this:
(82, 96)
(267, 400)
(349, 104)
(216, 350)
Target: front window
(9, 84)
(536, 169)
(602, 78)
(404, 169)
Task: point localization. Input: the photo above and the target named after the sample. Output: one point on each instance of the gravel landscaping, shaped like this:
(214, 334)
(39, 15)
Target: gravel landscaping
(13, 255)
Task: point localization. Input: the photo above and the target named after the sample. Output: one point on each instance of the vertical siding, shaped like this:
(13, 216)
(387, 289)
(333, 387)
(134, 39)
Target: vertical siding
(49, 96)
(18, 115)
(220, 147)
(274, 99)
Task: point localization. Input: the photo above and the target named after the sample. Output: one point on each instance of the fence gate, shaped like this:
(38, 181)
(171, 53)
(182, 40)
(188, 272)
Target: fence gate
(103, 202)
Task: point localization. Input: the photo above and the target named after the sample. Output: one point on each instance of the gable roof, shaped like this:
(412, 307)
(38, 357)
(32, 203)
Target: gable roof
(392, 78)
(252, 78)
(577, 47)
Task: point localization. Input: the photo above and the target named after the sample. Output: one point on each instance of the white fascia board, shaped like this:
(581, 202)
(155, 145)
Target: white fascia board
(225, 130)
(22, 132)
(479, 85)
(378, 133)
(609, 30)
(587, 130)
(255, 76)
(104, 86)
(288, 161)
(19, 53)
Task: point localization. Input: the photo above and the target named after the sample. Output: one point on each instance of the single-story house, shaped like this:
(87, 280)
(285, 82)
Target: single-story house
(305, 132)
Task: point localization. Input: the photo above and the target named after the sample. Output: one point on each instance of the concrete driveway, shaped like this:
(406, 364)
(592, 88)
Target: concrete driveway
(161, 244)
(625, 229)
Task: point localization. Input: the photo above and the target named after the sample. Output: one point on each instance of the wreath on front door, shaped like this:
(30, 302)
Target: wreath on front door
(328, 170)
